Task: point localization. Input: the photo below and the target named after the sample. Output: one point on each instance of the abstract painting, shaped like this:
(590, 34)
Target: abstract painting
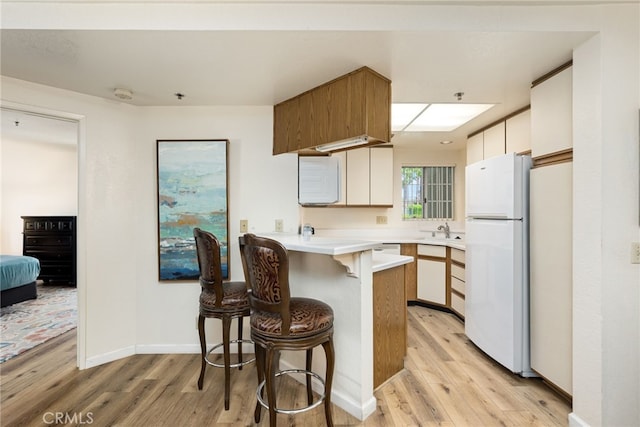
(192, 192)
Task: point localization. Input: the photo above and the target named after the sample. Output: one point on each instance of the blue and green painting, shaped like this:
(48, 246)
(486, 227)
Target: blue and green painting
(192, 192)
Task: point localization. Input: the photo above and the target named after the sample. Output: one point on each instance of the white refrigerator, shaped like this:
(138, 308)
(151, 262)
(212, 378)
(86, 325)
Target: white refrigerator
(497, 259)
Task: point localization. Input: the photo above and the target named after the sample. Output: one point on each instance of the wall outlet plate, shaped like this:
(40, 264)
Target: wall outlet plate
(381, 219)
(244, 226)
(635, 252)
(279, 225)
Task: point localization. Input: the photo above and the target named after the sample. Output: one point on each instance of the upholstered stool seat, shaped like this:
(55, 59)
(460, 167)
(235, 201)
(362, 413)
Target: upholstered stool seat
(280, 322)
(308, 317)
(220, 300)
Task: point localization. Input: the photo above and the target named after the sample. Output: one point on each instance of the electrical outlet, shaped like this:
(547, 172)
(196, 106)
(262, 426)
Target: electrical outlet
(381, 219)
(635, 252)
(244, 226)
(279, 225)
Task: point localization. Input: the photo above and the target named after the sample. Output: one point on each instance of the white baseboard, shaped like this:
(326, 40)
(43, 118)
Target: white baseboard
(110, 357)
(576, 421)
(155, 349)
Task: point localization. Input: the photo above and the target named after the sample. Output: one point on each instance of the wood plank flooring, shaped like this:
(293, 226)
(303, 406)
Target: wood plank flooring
(447, 381)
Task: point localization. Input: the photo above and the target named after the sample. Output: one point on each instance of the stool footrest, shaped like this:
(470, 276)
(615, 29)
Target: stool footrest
(292, 411)
(233, 365)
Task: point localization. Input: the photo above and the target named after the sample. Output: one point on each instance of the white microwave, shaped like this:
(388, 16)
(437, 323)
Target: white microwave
(318, 180)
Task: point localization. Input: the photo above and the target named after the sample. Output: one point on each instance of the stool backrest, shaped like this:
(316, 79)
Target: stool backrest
(209, 263)
(266, 266)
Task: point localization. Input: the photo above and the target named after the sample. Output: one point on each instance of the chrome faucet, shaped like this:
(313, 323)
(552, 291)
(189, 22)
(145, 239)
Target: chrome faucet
(445, 228)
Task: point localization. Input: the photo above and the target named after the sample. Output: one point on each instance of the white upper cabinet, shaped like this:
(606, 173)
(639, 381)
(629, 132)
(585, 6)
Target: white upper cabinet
(494, 141)
(475, 148)
(381, 176)
(358, 176)
(518, 133)
(551, 114)
(510, 135)
(369, 176)
(342, 160)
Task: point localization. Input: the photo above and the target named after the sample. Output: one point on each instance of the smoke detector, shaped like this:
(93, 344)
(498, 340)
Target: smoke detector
(124, 94)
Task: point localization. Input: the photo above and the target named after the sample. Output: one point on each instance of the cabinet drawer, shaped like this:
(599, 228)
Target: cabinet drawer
(457, 304)
(53, 269)
(50, 256)
(432, 250)
(458, 272)
(48, 241)
(457, 285)
(48, 225)
(457, 255)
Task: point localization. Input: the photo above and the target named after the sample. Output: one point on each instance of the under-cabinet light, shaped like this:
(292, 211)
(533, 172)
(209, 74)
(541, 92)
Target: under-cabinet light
(345, 143)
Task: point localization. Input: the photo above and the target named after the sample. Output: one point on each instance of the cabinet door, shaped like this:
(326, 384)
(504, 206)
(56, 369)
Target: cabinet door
(381, 175)
(494, 141)
(551, 274)
(358, 176)
(286, 126)
(342, 162)
(432, 281)
(475, 148)
(518, 133)
(551, 114)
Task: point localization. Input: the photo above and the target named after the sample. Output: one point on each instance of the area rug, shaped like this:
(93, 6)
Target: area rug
(33, 322)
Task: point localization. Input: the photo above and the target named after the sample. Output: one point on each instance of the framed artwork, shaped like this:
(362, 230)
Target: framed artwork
(192, 192)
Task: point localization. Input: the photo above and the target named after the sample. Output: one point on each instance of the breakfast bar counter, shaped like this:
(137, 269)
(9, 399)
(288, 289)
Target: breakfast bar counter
(345, 274)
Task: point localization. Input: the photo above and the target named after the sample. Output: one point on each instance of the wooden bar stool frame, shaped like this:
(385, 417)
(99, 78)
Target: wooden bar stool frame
(234, 304)
(269, 345)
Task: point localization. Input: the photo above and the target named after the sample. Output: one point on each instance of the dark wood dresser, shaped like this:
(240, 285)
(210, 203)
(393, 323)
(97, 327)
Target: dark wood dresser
(52, 239)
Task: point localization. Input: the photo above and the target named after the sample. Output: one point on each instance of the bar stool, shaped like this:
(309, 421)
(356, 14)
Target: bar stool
(220, 300)
(281, 322)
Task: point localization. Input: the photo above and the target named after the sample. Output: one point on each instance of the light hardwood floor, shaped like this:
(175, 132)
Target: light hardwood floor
(447, 381)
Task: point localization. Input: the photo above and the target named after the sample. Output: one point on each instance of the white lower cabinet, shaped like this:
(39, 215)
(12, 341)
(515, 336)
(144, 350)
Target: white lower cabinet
(432, 268)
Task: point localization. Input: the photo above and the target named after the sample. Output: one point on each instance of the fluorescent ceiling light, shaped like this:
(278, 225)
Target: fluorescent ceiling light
(403, 114)
(345, 143)
(436, 117)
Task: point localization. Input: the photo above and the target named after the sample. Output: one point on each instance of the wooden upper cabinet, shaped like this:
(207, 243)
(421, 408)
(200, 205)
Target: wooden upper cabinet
(356, 104)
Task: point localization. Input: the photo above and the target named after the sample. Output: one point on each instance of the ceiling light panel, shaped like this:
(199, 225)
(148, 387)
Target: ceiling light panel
(403, 114)
(446, 117)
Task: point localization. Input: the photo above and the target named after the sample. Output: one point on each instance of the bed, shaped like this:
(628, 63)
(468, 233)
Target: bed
(18, 276)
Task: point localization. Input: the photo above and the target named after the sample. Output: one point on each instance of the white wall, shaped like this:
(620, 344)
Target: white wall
(606, 287)
(365, 218)
(124, 306)
(260, 190)
(36, 179)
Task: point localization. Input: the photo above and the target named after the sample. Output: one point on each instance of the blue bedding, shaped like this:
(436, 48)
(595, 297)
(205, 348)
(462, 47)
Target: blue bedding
(17, 270)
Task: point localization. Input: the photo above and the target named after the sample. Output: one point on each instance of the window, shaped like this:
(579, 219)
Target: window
(427, 192)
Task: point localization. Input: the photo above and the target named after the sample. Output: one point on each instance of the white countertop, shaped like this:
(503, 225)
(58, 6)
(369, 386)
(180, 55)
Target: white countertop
(335, 245)
(381, 261)
(322, 245)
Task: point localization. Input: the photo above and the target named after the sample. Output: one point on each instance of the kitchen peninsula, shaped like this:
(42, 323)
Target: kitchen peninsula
(362, 288)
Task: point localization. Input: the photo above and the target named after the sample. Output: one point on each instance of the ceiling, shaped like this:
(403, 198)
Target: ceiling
(266, 67)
